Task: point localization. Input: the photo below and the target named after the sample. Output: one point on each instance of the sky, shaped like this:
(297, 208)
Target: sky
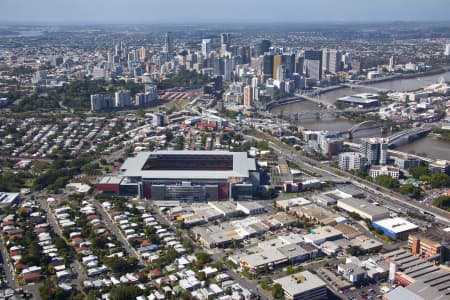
(236, 11)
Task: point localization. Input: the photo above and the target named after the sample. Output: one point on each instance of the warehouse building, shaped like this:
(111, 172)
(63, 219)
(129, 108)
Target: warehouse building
(303, 285)
(364, 209)
(396, 228)
(421, 278)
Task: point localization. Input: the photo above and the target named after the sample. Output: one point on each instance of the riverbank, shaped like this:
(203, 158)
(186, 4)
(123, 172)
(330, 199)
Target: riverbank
(441, 134)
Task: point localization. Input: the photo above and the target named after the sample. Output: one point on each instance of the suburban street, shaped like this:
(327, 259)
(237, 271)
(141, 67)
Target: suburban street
(119, 235)
(80, 274)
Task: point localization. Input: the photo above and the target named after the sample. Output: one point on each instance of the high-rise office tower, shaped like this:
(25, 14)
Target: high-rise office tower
(97, 102)
(244, 53)
(375, 150)
(248, 96)
(110, 59)
(447, 50)
(276, 63)
(325, 59)
(139, 99)
(255, 82)
(267, 66)
(288, 61)
(227, 69)
(151, 93)
(334, 63)
(299, 62)
(313, 64)
(142, 53)
(313, 69)
(264, 46)
(168, 45)
(218, 66)
(392, 63)
(122, 98)
(331, 60)
(225, 41)
(206, 47)
(281, 73)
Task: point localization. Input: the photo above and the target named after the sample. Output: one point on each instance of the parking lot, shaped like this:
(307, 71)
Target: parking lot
(363, 291)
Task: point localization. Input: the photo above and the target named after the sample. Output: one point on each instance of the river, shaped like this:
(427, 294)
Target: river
(429, 146)
(433, 147)
(400, 85)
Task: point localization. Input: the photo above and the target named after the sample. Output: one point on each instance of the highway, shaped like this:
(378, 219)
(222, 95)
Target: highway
(441, 216)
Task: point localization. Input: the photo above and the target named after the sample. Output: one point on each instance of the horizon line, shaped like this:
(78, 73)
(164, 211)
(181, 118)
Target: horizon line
(223, 22)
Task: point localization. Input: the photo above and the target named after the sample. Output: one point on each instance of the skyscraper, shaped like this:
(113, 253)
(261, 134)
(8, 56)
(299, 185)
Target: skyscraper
(313, 64)
(264, 46)
(122, 98)
(97, 102)
(288, 60)
(375, 150)
(392, 63)
(267, 66)
(248, 96)
(254, 82)
(206, 47)
(110, 59)
(218, 67)
(447, 50)
(168, 45)
(334, 63)
(142, 53)
(227, 68)
(281, 73)
(276, 63)
(331, 60)
(299, 63)
(225, 41)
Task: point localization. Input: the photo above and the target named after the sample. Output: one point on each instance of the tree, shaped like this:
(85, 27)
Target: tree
(187, 244)
(124, 292)
(121, 265)
(60, 294)
(442, 202)
(418, 171)
(92, 295)
(387, 181)
(439, 180)
(202, 258)
(277, 291)
(44, 291)
(290, 270)
(410, 190)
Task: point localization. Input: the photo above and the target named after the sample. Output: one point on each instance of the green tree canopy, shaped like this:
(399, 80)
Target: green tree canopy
(416, 172)
(277, 291)
(387, 182)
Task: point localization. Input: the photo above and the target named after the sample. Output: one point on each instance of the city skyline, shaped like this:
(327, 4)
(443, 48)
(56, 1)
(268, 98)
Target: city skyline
(142, 12)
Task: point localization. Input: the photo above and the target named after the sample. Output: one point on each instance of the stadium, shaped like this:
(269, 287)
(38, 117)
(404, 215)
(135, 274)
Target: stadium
(185, 176)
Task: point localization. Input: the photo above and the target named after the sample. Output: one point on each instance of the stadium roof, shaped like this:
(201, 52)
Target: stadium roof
(241, 165)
